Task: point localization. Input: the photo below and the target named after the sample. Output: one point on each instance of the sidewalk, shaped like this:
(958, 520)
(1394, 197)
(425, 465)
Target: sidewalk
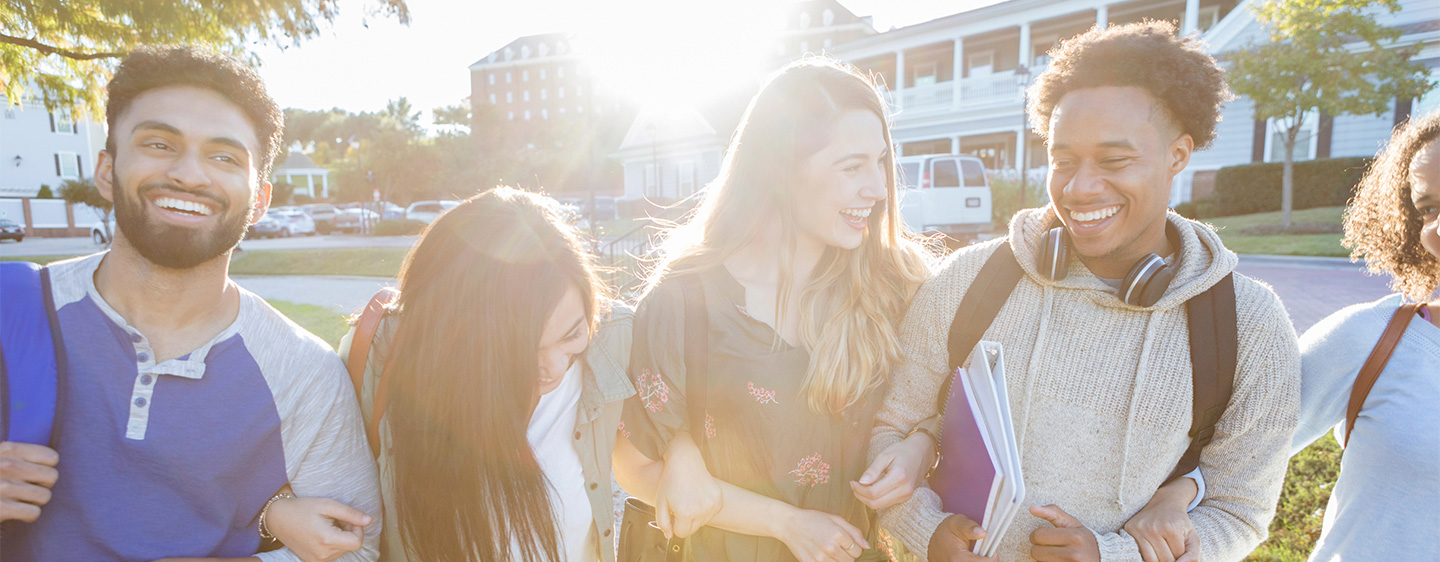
(341, 293)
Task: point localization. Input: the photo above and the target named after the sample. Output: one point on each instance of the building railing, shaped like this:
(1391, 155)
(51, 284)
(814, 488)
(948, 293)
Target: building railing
(623, 259)
(931, 97)
(997, 88)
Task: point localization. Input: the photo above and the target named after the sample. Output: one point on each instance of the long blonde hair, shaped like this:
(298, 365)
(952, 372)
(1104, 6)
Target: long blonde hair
(850, 309)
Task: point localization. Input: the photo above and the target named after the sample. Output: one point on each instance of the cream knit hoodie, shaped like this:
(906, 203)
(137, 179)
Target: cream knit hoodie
(1101, 393)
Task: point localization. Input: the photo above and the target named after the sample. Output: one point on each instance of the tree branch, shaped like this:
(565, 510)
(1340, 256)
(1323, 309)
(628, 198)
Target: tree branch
(48, 50)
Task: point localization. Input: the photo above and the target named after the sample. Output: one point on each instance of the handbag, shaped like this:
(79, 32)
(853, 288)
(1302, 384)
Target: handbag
(640, 538)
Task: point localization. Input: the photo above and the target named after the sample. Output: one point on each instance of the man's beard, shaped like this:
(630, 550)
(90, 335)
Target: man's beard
(171, 246)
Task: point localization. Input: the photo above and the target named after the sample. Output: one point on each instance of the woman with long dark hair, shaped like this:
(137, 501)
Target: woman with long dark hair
(805, 271)
(503, 408)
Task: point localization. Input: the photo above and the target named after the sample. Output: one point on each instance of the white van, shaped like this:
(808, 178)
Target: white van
(946, 193)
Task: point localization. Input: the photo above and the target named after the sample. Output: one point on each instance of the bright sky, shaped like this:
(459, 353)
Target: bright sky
(357, 68)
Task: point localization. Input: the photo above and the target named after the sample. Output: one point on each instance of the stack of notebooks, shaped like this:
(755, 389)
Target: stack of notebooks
(979, 474)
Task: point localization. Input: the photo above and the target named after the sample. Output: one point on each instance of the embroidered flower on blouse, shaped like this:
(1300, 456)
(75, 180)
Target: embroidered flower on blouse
(887, 545)
(760, 394)
(653, 392)
(709, 426)
(811, 471)
(624, 431)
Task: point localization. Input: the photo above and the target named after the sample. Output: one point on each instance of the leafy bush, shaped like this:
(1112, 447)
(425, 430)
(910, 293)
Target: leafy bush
(397, 227)
(1197, 209)
(1255, 188)
(1005, 196)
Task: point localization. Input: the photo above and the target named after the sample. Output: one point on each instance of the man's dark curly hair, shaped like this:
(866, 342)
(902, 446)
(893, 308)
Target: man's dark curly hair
(1177, 71)
(156, 67)
(1382, 225)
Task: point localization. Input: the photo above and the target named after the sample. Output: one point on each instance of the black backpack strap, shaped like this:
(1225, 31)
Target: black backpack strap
(697, 357)
(1214, 347)
(978, 309)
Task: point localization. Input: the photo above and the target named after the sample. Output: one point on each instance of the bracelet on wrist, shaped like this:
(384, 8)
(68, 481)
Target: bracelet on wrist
(933, 439)
(264, 530)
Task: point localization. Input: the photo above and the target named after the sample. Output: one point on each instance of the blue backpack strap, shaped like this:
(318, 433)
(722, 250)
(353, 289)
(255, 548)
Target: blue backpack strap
(31, 357)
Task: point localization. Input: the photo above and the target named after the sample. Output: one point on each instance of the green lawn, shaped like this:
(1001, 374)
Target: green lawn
(376, 262)
(321, 321)
(1282, 244)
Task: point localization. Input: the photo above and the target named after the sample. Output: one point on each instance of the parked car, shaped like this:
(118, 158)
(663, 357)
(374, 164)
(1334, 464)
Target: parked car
(946, 193)
(323, 214)
(267, 227)
(355, 219)
(293, 222)
(98, 233)
(391, 212)
(427, 211)
(12, 230)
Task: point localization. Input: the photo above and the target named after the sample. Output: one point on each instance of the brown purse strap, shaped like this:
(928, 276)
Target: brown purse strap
(365, 329)
(1376, 363)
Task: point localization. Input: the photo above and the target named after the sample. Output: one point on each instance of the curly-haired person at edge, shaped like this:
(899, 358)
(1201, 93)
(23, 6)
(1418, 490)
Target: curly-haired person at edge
(1101, 383)
(1388, 485)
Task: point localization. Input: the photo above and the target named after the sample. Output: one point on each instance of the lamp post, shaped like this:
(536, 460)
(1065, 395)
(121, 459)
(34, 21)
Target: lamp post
(1022, 76)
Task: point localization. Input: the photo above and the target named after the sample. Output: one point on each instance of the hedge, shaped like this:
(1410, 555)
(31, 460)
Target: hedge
(1255, 188)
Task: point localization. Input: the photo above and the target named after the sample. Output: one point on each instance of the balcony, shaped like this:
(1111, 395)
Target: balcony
(936, 97)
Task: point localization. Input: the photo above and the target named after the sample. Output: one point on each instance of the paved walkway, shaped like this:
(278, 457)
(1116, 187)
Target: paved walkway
(342, 293)
(1313, 288)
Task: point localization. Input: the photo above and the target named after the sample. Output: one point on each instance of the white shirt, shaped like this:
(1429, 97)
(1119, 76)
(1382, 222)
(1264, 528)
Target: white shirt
(550, 434)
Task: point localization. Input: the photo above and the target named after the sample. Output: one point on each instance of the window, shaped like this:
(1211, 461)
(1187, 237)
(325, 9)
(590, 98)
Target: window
(827, 42)
(511, 116)
(542, 93)
(525, 95)
(492, 99)
(579, 109)
(560, 72)
(542, 74)
(527, 115)
(492, 78)
(67, 165)
(687, 178)
(545, 114)
(828, 17)
(945, 173)
(804, 46)
(509, 97)
(60, 122)
(9, 113)
(1429, 102)
(973, 172)
(525, 75)
(562, 110)
(924, 74)
(650, 177)
(578, 91)
(1302, 146)
(981, 63)
(509, 77)
(804, 20)
(561, 93)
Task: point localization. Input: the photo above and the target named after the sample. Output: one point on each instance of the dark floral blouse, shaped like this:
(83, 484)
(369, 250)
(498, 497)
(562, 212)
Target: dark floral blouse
(760, 433)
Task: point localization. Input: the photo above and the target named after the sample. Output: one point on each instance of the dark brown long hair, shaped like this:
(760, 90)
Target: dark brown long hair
(462, 377)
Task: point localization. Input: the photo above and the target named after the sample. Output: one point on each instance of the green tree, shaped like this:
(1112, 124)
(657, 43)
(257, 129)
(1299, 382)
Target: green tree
(67, 49)
(281, 193)
(84, 192)
(1328, 56)
(45, 192)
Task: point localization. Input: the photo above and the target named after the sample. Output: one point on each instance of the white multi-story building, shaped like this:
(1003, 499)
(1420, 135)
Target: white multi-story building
(957, 82)
(39, 147)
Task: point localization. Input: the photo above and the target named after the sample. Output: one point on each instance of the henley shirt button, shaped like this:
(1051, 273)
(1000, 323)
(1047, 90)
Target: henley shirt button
(606, 533)
(146, 380)
(140, 402)
(577, 436)
(136, 338)
(594, 485)
(143, 357)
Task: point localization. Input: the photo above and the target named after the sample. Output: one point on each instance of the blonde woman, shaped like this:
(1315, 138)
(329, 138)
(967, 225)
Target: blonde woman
(805, 272)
